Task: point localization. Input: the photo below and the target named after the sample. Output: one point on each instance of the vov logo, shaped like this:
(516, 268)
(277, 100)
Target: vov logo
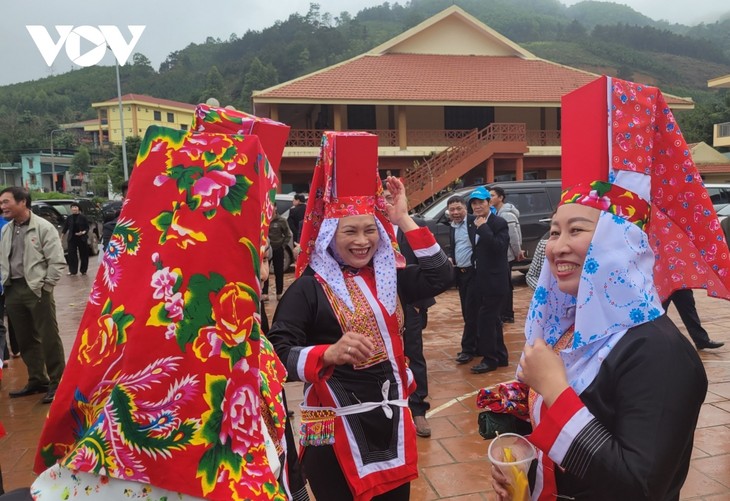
(100, 37)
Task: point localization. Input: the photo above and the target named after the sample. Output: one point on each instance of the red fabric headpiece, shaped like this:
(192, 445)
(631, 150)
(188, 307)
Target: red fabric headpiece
(345, 183)
(612, 125)
(170, 379)
(609, 198)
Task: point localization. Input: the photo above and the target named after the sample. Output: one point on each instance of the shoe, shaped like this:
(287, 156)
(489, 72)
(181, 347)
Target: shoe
(422, 427)
(483, 367)
(503, 364)
(15, 355)
(278, 297)
(48, 398)
(70, 274)
(508, 320)
(28, 390)
(5, 364)
(83, 273)
(464, 358)
(710, 344)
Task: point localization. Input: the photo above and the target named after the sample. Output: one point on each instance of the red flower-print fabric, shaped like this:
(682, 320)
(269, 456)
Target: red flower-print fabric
(683, 229)
(167, 383)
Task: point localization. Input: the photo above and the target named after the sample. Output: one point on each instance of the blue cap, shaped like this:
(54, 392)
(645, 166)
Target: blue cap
(481, 193)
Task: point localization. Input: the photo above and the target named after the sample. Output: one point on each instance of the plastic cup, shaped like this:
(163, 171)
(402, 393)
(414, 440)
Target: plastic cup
(512, 454)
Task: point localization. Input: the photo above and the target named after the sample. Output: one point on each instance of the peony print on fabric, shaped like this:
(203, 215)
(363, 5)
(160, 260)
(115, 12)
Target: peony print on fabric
(168, 382)
(683, 231)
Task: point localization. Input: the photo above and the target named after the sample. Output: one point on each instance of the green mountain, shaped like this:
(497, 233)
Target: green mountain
(601, 37)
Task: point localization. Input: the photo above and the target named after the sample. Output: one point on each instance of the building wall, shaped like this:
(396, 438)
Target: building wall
(425, 117)
(137, 117)
(529, 116)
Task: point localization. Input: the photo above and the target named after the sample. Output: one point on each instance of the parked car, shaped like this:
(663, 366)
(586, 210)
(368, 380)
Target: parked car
(719, 194)
(110, 210)
(536, 201)
(57, 210)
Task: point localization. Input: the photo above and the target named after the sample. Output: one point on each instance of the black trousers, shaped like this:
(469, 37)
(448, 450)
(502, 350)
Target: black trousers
(415, 322)
(470, 304)
(78, 251)
(491, 337)
(684, 301)
(3, 334)
(328, 483)
(277, 258)
(508, 310)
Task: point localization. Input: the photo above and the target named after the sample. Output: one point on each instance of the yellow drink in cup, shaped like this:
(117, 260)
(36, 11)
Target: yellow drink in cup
(512, 454)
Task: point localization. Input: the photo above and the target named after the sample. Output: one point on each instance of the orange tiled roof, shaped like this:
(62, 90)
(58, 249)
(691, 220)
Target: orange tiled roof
(150, 100)
(438, 78)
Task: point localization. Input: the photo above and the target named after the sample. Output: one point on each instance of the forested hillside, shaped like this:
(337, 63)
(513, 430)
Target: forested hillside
(601, 37)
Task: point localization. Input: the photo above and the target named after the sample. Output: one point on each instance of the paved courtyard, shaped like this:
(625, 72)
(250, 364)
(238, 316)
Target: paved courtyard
(452, 462)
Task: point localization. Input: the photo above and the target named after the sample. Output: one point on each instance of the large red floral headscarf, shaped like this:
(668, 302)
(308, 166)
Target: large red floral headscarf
(170, 382)
(624, 133)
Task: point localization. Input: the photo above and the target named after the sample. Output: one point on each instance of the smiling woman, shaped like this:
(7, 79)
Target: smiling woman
(338, 326)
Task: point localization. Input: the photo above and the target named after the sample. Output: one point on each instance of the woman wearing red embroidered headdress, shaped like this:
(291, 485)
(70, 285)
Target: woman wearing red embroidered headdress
(615, 388)
(338, 326)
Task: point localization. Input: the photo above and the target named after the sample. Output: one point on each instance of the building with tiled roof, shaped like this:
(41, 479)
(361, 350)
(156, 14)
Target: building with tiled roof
(721, 131)
(450, 99)
(138, 113)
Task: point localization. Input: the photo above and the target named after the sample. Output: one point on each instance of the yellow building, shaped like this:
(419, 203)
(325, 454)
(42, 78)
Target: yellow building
(138, 113)
(721, 133)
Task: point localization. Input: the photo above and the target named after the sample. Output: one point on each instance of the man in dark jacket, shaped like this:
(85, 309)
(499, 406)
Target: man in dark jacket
(462, 237)
(415, 320)
(279, 235)
(77, 227)
(490, 259)
(296, 216)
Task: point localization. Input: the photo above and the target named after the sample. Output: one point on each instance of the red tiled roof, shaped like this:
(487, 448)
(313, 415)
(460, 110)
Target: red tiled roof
(151, 100)
(438, 78)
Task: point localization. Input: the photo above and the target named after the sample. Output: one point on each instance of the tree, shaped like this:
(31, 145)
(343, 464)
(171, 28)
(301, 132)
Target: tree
(258, 76)
(81, 161)
(215, 86)
(116, 164)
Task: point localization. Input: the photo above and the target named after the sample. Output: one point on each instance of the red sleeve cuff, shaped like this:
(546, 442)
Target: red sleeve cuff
(313, 368)
(420, 239)
(554, 419)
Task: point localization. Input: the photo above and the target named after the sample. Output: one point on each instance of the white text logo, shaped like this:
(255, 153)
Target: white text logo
(101, 37)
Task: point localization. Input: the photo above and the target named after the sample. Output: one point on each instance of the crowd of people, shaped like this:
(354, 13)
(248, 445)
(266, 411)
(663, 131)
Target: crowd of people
(612, 386)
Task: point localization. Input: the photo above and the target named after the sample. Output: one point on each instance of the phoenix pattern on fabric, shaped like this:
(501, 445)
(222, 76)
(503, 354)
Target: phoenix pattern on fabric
(170, 363)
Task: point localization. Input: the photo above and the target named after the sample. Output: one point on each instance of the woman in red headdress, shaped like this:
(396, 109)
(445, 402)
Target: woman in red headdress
(615, 388)
(338, 326)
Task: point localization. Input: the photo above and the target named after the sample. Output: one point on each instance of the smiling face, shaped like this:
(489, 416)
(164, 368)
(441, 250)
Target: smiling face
(13, 209)
(571, 232)
(356, 239)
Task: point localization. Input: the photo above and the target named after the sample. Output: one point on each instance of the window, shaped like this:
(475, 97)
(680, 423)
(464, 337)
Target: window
(171, 117)
(158, 116)
(183, 126)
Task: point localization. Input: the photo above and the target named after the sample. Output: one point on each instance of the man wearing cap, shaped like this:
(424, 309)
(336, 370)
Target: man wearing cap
(490, 260)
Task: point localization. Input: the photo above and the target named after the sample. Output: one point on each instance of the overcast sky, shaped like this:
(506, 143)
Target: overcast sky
(193, 21)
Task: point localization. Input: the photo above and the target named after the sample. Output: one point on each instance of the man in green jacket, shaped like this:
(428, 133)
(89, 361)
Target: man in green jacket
(31, 263)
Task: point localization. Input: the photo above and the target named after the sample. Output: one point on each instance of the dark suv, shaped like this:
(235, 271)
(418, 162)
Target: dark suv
(536, 201)
(56, 211)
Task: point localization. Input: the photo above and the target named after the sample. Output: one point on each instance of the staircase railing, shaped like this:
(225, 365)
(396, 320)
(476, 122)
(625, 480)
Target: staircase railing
(424, 174)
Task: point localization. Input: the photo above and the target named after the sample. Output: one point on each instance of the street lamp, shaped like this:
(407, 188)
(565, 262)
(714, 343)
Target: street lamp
(121, 122)
(53, 162)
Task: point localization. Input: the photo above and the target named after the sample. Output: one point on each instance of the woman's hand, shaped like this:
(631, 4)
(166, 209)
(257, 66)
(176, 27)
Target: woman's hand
(352, 348)
(398, 209)
(543, 371)
(500, 484)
